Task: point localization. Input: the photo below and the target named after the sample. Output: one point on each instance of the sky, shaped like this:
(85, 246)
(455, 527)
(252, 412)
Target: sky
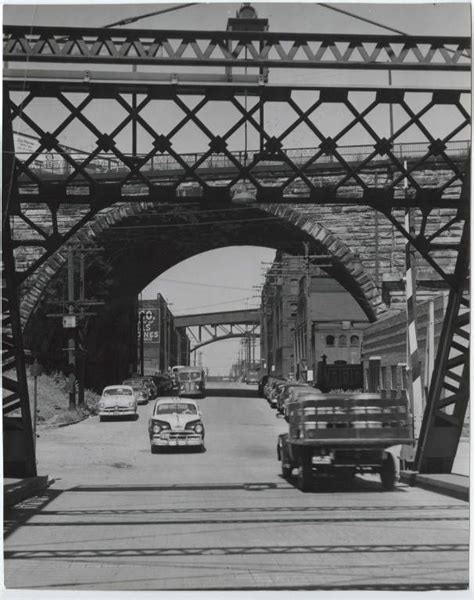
(205, 282)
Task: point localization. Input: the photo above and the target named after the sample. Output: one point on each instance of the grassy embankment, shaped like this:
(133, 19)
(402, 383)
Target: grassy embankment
(53, 402)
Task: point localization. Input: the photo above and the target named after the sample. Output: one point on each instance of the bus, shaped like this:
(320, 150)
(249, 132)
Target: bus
(191, 382)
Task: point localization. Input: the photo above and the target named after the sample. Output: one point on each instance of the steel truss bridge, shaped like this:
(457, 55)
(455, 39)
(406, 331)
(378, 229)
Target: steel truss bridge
(206, 328)
(77, 68)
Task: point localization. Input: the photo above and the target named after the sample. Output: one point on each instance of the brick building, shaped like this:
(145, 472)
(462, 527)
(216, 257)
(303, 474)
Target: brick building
(329, 322)
(164, 344)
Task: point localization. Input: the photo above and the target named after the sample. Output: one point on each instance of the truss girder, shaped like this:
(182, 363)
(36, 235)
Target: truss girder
(448, 395)
(19, 450)
(234, 49)
(216, 333)
(352, 182)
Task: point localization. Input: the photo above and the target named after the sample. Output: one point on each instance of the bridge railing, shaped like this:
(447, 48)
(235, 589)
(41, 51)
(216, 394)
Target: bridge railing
(56, 163)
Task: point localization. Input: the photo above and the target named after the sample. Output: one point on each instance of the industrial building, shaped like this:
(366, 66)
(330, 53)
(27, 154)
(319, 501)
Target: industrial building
(161, 344)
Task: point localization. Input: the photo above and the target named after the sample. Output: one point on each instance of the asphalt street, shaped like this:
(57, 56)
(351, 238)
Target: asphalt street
(121, 518)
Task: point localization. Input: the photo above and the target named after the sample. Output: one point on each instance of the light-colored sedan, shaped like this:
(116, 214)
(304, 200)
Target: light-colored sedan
(117, 401)
(176, 422)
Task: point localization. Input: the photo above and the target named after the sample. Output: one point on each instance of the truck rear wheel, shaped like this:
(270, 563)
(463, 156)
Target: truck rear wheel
(388, 473)
(305, 471)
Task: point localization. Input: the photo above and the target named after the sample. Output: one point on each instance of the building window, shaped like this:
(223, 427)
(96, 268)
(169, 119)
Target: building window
(342, 340)
(329, 340)
(384, 378)
(393, 368)
(354, 340)
(294, 286)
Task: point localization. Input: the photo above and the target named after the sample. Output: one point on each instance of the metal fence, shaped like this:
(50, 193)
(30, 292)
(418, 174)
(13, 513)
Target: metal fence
(58, 164)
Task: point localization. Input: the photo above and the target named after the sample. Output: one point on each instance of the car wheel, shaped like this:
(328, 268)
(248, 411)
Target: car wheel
(154, 450)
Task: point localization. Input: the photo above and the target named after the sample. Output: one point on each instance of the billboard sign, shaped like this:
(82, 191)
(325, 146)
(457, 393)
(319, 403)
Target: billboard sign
(151, 326)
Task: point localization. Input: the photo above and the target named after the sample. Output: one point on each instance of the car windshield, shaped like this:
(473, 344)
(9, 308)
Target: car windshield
(176, 407)
(118, 391)
(189, 375)
(134, 383)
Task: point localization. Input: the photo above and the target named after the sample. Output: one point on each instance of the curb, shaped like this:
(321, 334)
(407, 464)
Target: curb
(455, 486)
(23, 489)
(74, 422)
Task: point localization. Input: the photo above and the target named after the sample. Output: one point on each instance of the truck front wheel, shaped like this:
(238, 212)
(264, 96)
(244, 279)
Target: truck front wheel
(388, 473)
(305, 471)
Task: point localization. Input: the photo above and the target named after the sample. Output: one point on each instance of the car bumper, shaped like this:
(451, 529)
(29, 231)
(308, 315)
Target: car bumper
(177, 439)
(111, 412)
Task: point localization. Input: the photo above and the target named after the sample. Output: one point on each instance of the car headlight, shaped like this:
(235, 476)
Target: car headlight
(156, 428)
(101, 404)
(195, 426)
(131, 403)
(182, 386)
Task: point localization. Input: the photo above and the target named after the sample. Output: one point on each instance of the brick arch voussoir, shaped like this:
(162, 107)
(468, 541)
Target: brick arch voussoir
(90, 233)
(337, 249)
(87, 235)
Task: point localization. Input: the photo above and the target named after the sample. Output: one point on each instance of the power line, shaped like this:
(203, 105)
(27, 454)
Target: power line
(377, 24)
(227, 287)
(360, 18)
(152, 14)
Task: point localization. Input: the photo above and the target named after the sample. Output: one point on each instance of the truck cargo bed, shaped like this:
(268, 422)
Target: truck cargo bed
(356, 420)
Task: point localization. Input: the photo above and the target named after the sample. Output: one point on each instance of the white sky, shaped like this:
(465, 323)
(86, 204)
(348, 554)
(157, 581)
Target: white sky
(224, 279)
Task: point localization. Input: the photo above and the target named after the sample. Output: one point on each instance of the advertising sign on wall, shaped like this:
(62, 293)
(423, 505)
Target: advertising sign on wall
(151, 326)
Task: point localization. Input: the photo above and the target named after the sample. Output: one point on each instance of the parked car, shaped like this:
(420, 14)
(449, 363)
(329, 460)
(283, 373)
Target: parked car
(251, 378)
(139, 389)
(117, 401)
(176, 422)
(261, 386)
(151, 386)
(165, 384)
(285, 391)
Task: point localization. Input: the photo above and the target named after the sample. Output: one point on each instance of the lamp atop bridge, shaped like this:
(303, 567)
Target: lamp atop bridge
(246, 19)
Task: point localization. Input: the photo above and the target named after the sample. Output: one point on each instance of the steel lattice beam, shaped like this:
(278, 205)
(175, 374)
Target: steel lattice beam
(234, 49)
(448, 395)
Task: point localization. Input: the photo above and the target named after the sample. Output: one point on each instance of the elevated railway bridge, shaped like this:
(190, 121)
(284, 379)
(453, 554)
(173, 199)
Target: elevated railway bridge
(126, 194)
(207, 328)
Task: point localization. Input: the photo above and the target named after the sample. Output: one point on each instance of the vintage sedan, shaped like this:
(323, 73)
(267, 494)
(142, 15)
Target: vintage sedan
(176, 422)
(117, 401)
(140, 390)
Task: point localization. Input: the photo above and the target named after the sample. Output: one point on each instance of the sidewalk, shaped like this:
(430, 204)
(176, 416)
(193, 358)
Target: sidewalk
(17, 490)
(456, 486)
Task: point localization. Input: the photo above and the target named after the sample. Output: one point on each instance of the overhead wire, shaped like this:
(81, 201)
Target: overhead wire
(376, 23)
(129, 20)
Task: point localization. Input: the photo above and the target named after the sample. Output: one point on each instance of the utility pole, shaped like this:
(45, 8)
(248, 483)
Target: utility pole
(71, 344)
(73, 317)
(308, 310)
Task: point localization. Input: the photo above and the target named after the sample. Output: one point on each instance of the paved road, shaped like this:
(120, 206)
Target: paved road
(121, 518)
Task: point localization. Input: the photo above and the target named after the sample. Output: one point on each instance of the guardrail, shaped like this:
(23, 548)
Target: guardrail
(58, 164)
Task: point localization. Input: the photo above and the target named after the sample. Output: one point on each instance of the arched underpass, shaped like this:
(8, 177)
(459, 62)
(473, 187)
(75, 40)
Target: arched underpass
(140, 242)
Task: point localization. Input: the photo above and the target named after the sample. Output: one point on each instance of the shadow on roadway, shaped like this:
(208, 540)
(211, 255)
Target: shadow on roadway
(333, 485)
(233, 392)
(18, 515)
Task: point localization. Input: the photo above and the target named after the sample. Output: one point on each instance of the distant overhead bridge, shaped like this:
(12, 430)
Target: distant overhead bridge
(206, 328)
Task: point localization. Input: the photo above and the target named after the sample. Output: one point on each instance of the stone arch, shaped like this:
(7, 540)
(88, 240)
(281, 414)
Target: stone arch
(359, 281)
